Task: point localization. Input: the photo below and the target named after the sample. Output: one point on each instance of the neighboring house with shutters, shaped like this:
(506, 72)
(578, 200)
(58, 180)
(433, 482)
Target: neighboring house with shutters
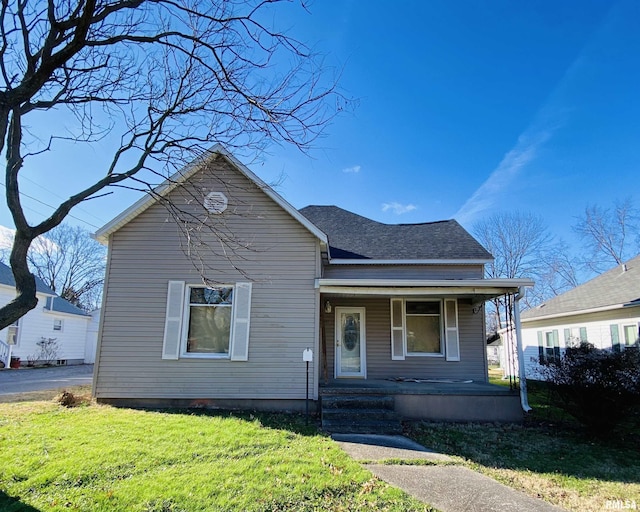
(376, 303)
(604, 311)
(54, 319)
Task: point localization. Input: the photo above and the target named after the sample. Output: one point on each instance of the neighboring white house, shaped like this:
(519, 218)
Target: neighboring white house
(52, 319)
(604, 312)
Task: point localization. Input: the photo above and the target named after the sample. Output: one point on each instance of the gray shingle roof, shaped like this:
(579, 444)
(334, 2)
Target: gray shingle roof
(352, 236)
(615, 287)
(6, 277)
(60, 305)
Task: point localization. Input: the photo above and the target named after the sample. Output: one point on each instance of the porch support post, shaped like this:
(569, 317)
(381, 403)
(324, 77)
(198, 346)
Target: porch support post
(524, 401)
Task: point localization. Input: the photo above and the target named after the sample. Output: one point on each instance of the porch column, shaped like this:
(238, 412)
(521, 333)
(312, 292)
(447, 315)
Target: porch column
(524, 401)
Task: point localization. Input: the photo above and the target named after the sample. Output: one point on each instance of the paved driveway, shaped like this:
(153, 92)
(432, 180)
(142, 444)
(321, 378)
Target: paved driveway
(38, 379)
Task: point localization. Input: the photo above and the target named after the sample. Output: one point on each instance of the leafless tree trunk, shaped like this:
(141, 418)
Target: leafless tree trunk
(611, 236)
(172, 77)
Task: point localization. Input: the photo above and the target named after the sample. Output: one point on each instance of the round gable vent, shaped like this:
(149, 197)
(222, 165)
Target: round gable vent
(215, 202)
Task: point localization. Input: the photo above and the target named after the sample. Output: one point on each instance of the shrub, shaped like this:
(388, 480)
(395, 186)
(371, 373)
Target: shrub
(598, 387)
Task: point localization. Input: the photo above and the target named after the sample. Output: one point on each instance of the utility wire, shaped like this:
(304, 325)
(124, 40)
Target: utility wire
(53, 208)
(60, 197)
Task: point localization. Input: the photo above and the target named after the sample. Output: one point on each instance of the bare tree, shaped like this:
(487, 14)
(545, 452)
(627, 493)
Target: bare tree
(71, 263)
(611, 236)
(166, 78)
(522, 247)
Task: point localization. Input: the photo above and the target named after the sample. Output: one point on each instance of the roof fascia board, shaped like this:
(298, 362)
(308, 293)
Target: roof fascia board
(574, 313)
(102, 235)
(340, 261)
(38, 292)
(62, 313)
(479, 284)
(485, 293)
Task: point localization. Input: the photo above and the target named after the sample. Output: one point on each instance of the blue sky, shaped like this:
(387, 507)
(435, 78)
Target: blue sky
(463, 109)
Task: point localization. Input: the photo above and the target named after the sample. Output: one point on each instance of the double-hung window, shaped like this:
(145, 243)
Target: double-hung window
(425, 327)
(207, 321)
(631, 334)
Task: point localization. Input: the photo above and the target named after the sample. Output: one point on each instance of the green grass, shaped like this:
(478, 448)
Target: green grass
(96, 457)
(549, 456)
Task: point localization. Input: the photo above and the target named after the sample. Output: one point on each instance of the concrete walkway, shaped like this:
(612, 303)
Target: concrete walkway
(22, 380)
(449, 488)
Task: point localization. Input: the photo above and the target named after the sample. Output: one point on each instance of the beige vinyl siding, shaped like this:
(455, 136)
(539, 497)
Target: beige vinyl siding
(362, 271)
(147, 252)
(378, 344)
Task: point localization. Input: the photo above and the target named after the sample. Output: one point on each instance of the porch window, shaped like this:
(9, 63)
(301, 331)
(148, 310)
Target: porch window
(207, 322)
(424, 328)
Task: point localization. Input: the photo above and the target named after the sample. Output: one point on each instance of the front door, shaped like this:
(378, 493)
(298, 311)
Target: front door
(350, 342)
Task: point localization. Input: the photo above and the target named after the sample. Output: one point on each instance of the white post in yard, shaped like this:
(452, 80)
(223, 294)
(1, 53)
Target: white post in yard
(307, 357)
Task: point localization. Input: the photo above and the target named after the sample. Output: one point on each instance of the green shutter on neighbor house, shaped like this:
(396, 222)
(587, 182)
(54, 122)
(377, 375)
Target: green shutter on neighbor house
(173, 320)
(540, 347)
(567, 337)
(556, 344)
(241, 319)
(583, 334)
(615, 338)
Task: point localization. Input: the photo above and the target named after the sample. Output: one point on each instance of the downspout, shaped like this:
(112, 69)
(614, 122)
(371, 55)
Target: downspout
(524, 401)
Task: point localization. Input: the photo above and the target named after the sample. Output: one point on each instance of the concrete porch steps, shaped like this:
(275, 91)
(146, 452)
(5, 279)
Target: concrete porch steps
(360, 414)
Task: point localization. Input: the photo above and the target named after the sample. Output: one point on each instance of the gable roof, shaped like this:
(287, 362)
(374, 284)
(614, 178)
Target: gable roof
(6, 278)
(179, 177)
(60, 305)
(355, 238)
(616, 288)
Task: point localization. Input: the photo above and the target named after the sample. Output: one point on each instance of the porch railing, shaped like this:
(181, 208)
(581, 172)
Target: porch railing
(5, 353)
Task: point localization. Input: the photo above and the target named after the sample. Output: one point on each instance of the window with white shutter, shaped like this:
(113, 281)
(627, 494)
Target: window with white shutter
(397, 329)
(241, 322)
(173, 320)
(452, 338)
(207, 322)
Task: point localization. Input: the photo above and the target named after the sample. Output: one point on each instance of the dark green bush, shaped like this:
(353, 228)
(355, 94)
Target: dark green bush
(597, 387)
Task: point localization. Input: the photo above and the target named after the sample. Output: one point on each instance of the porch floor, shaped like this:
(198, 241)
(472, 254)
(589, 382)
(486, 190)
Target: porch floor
(391, 387)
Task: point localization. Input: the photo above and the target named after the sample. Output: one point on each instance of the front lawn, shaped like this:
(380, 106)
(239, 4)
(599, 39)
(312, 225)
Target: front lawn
(96, 457)
(550, 456)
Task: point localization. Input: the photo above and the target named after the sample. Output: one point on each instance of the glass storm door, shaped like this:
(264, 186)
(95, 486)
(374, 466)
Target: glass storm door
(350, 342)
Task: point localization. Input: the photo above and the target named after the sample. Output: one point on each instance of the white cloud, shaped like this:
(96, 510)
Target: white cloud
(398, 208)
(490, 192)
(352, 170)
(40, 244)
(6, 237)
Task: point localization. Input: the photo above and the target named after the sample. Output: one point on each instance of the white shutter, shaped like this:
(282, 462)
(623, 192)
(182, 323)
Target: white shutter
(241, 319)
(451, 329)
(397, 329)
(173, 320)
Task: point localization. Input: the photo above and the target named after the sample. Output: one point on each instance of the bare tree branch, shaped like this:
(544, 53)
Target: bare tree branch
(171, 77)
(611, 236)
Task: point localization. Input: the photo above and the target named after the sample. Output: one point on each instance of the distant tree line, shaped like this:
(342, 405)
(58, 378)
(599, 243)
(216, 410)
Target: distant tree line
(524, 247)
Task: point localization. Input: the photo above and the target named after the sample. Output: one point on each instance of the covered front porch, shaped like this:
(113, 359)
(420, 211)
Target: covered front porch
(433, 399)
(421, 343)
